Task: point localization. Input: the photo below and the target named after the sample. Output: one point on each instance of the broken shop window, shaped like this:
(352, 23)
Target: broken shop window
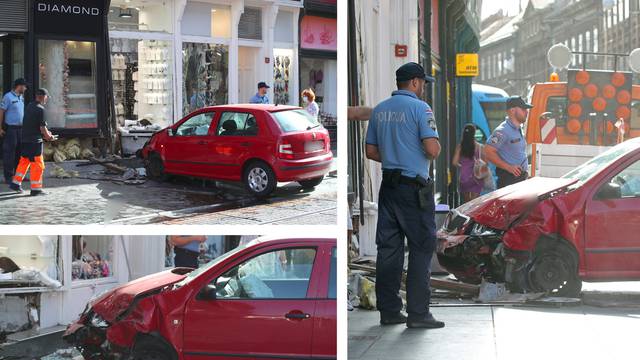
(28, 261)
(92, 257)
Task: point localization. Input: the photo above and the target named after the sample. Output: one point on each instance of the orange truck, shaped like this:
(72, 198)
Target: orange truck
(559, 128)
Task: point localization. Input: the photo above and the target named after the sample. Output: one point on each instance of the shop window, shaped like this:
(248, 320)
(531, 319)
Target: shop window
(237, 124)
(197, 125)
(250, 25)
(332, 275)
(92, 257)
(32, 258)
(320, 75)
(205, 72)
(282, 274)
(202, 19)
(68, 70)
(141, 15)
(283, 59)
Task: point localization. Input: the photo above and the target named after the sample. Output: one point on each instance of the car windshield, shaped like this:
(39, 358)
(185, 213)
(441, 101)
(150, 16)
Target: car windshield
(295, 120)
(592, 167)
(194, 274)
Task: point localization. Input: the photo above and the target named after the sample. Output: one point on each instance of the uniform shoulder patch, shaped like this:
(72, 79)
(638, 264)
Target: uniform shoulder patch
(496, 137)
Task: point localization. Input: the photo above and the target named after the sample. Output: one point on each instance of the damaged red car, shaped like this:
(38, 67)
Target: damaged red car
(269, 299)
(259, 145)
(548, 235)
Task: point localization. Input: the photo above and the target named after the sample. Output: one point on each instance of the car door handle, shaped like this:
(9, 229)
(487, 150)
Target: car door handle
(202, 142)
(297, 315)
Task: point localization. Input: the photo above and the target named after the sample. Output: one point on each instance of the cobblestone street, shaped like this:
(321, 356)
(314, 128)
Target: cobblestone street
(93, 198)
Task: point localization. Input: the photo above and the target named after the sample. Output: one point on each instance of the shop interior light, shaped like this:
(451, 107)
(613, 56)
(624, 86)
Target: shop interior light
(125, 13)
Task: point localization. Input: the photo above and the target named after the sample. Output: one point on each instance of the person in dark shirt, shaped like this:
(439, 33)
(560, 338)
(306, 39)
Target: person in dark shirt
(34, 130)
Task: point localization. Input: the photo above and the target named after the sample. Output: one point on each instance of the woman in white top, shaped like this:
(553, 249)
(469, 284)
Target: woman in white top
(309, 99)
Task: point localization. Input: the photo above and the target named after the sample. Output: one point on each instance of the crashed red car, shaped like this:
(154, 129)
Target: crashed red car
(257, 144)
(269, 299)
(547, 235)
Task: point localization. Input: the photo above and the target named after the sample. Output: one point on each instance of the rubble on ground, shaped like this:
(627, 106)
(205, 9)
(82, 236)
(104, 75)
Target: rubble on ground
(69, 149)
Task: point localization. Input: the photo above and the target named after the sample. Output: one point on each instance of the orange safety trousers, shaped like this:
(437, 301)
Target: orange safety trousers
(37, 171)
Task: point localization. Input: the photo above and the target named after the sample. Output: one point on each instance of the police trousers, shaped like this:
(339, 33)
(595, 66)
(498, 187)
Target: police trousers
(506, 178)
(400, 216)
(11, 151)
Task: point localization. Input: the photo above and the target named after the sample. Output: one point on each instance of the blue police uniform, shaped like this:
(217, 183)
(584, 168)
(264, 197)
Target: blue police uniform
(257, 99)
(13, 106)
(511, 145)
(397, 127)
(187, 255)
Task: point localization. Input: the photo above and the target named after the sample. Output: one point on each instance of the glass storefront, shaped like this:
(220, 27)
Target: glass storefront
(141, 15)
(205, 72)
(142, 73)
(282, 71)
(92, 257)
(320, 75)
(30, 253)
(68, 70)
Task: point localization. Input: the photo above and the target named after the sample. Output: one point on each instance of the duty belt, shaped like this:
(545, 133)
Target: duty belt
(395, 177)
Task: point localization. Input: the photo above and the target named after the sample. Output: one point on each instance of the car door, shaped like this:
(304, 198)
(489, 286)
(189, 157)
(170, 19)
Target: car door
(186, 148)
(325, 323)
(612, 224)
(237, 137)
(262, 308)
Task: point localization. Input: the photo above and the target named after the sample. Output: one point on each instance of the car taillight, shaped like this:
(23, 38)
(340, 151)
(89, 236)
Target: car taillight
(285, 151)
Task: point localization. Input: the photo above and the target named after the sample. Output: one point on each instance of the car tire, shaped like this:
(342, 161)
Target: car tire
(555, 271)
(148, 348)
(259, 179)
(155, 168)
(311, 183)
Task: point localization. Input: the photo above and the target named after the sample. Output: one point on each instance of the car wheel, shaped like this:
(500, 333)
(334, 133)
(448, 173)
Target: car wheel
(555, 271)
(259, 179)
(150, 349)
(311, 183)
(155, 168)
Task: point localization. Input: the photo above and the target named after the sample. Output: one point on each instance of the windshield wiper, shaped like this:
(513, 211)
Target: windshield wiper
(313, 127)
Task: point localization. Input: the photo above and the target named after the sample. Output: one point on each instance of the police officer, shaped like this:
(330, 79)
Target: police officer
(402, 136)
(11, 114)
(186, 250)
(507, 147)
(261, 96)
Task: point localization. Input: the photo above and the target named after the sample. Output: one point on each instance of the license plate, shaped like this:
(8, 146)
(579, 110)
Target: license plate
(311, 146)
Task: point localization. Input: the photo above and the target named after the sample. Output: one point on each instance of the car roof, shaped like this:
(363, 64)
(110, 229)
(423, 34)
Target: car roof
(271, 239)
(263, 107)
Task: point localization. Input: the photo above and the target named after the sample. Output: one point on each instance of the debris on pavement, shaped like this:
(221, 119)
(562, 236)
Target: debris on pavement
(69, 353)
(61, 173)
(68, 149)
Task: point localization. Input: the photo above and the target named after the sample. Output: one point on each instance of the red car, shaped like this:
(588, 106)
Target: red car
(547, 235)
(271, 299)
(259, 145)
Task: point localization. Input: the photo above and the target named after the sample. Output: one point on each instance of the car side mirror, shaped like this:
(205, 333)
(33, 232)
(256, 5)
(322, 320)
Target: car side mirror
(171, 131)
(208, 293)
(609, 190)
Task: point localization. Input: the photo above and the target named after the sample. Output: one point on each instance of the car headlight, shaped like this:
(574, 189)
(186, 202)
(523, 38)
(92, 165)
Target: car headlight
(98, 321)
(481, 230)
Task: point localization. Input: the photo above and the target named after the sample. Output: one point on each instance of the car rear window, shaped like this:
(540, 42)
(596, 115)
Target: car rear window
(295, 120)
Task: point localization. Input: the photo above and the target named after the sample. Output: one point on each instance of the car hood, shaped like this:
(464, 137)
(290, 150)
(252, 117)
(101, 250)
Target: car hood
(500, 208)
(113, 303)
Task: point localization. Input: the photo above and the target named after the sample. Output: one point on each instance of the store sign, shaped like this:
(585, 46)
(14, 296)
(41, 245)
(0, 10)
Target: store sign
(69, 17)
(466, 64)
(318, 33)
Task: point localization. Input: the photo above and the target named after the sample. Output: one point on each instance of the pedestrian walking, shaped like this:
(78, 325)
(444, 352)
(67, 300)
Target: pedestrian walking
(465, 157)
(186, 250)
(34, 130)
(507, 147)
(403, 137)
(11, 116)
(310, 104)
(261, 96)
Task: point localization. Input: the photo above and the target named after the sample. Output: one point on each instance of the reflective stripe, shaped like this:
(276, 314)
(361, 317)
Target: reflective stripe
(36, 186)
(36, 182)
(19, 174)
(17, 182)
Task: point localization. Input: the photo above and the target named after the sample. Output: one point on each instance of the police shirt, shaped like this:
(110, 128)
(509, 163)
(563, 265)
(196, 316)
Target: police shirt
(33, 120)
(508, 139)
(397, 127)
(13, 106)
(257, 99)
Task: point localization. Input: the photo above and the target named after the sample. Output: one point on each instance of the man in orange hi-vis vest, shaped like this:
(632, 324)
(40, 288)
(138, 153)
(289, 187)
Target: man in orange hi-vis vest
(34, 130)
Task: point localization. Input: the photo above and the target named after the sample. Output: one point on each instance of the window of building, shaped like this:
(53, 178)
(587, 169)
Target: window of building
(250, 25)
(68, 70)
(92, 257)
(141, 15)
(30, 253)
(595, 40)
(281, 274)
(205, 72)
(499, 64)
(627, 10)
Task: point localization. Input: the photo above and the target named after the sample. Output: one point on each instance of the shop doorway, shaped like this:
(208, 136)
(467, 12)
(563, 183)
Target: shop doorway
(11, 60)
(247, 73)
